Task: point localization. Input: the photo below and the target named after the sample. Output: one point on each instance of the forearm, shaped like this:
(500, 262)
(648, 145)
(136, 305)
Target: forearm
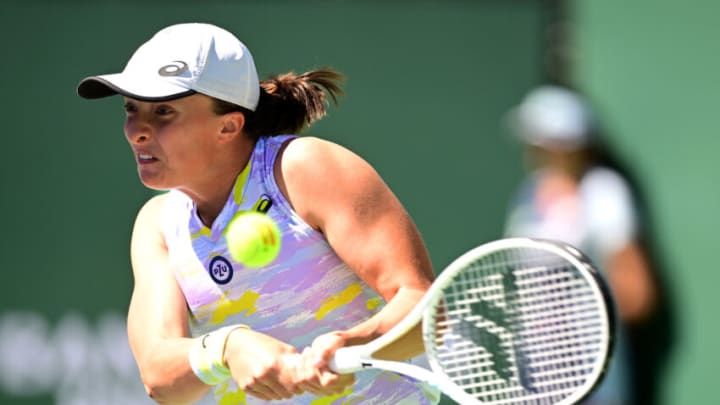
(158, 317)
(632, 283)
(166, 372)
(409, 345)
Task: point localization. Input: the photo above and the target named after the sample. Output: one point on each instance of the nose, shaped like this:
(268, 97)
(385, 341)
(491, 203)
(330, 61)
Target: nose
(137, 131)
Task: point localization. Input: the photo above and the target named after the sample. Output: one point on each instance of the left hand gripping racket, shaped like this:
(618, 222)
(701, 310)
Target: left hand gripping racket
(514, 321)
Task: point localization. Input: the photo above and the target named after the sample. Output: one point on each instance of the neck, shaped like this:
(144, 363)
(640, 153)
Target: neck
(209, 209)
(211, 198)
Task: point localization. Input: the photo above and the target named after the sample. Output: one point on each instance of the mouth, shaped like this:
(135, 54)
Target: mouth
(143, 157)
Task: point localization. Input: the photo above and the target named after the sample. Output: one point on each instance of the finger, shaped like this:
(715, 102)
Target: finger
(312, 388)
(336, 383)
(328, 379)
(278, 389)
(322, 358)
(267, 388)
(257, 392)
(324, 347)
(318, 390)
(308, 373)
(321, 380)
(293, 365)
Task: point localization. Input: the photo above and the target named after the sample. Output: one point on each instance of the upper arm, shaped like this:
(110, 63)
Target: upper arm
(157, 308)
(613, 223)
(341, 195)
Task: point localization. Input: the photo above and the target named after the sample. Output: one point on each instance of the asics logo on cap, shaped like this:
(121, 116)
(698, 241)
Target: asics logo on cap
(176, 68)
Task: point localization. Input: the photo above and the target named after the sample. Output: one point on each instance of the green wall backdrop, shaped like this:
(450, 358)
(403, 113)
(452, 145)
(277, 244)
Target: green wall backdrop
(652, 66)
(427, 85)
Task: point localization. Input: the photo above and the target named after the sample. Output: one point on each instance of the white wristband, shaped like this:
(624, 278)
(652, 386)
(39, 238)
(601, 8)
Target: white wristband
(206, 355)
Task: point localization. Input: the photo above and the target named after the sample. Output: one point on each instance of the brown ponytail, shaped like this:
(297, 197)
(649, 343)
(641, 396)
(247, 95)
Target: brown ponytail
(288, 103)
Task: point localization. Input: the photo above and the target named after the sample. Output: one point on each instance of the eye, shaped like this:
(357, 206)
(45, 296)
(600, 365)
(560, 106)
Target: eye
(129, 107)
(163, 110)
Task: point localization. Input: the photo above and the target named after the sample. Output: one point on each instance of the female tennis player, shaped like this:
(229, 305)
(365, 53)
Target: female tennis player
(352, 263)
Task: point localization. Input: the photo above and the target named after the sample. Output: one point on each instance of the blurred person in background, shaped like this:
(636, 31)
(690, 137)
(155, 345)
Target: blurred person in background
(577, 191)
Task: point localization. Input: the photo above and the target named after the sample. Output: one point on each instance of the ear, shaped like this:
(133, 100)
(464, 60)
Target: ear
(232, 126)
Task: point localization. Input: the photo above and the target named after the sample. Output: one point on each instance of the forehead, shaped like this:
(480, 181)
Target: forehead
(194, 101)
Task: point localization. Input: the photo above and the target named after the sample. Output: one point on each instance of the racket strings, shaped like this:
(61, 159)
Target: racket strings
(519, 326)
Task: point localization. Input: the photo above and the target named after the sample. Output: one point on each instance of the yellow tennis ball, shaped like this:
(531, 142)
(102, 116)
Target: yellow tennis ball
(253, 239)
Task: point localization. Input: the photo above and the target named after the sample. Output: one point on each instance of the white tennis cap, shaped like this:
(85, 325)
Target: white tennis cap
(181, 60)
(553, 116)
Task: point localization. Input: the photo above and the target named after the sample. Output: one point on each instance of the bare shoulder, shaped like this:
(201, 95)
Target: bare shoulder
(306, 147)
(318, 177)
(150, 211)
(147, 225)
(147, 245)
(315, 156)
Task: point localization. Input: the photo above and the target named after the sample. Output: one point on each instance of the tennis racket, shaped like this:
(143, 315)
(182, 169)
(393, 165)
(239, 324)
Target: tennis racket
(514, 321)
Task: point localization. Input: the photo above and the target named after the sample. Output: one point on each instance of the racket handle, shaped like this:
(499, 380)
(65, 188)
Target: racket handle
(347, 360)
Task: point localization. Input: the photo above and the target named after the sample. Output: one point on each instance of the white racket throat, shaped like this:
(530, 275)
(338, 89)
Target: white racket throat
(355, 358)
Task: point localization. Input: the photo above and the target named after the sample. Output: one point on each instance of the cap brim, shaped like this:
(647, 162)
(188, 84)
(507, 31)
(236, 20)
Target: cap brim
(109, 85)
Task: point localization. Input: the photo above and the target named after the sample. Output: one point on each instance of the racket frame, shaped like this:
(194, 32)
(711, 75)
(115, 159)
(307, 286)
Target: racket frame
(354, 358)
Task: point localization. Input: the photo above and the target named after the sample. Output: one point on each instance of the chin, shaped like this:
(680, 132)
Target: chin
(157, 188)
(154, 183)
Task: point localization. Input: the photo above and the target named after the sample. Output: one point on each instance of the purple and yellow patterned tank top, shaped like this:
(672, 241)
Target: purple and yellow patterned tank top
(307, 291)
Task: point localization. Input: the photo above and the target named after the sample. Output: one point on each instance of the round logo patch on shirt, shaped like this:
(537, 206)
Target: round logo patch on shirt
(220, 270)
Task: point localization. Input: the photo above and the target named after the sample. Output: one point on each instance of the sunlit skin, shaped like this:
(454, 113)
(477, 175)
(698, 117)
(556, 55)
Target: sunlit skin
(196, 147)
(182, 144)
